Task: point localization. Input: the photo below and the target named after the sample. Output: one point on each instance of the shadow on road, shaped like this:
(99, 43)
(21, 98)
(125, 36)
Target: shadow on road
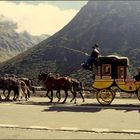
(84, 107)
(6, 101)
(94, 108)
(72, 109)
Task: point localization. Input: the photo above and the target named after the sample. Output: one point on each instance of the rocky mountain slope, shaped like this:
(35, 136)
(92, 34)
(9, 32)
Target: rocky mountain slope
(13, 43)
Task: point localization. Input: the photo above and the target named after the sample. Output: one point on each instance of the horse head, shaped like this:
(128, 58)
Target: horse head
(42, 76)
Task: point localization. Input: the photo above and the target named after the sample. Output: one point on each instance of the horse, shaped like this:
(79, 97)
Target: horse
(53, 83)
(42, 77)
(8, 83)
(12, 83)
(77, 86)
(29, 84)
(57, 82)
(24, 90)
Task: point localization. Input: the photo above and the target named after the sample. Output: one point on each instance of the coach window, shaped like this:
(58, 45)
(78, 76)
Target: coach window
(106, 69)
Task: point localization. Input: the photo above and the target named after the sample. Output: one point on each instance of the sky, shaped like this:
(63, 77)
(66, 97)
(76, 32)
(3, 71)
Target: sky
(40, 17)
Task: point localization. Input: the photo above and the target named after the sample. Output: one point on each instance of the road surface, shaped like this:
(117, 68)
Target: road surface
(38, 119)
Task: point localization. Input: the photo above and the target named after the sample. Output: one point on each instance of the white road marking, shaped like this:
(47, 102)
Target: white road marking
(129, 131)
(39, 127)
(9, 125)
(69, 128)
(100, 130)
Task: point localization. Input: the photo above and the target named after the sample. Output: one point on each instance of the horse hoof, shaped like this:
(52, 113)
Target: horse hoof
(63, 102)
(6, 99)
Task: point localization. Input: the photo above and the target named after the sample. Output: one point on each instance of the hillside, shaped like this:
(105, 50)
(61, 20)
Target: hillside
(115, 25)
(13, 43)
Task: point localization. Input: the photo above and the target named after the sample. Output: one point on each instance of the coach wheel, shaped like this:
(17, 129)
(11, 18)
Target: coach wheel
(105, 96)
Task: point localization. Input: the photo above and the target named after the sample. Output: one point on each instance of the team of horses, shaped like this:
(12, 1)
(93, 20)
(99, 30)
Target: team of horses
(20, 87)
(52, 82)
(58, 83)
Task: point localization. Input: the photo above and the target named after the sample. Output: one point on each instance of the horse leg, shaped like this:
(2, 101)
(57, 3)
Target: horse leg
(47, 94)
(17, 93)
(66, 95)
(8, 96)
(74, 96)
(25, 92)
(51, 96)
(82, 96)
(0, 97)
(26, 97)
(28, 93)
(14, 98)
(4, 94)
(58, 95)
(21, 93)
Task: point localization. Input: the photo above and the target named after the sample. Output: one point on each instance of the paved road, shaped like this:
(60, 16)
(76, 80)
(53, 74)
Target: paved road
(39, 119)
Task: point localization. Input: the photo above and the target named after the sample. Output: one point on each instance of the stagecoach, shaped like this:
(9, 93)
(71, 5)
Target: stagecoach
(111, 77)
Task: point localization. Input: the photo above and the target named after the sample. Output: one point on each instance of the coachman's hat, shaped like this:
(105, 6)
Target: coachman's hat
(95, 45)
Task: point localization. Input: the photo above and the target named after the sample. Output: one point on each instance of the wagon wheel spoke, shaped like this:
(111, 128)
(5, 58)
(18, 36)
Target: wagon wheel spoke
(105, 96)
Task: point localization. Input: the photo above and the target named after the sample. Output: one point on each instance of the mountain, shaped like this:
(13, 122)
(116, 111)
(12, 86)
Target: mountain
(13, 43)
(115, 25)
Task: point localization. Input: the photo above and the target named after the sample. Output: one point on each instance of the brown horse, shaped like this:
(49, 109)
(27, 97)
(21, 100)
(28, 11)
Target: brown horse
(52, 83)
(12, 83)
(58, 83)
(8, 83)
(76, 86)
